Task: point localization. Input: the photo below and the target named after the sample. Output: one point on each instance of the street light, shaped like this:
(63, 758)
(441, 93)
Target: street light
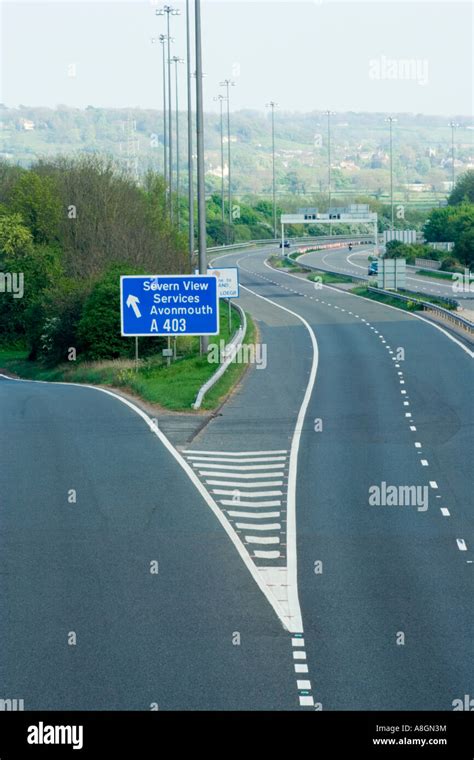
(329, 114)
(391, 120)
(453, 126)
(190, 138)
(162, 39)
(176, 59)
(228, 83)
(169, 11)
(273, 105)
(201, 188)
(221, 99)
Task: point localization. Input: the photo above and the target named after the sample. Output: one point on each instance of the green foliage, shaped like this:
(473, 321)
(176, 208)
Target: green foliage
(99, 325)
(15, 238)
(463, 191)
(464, 247)
(37, 200)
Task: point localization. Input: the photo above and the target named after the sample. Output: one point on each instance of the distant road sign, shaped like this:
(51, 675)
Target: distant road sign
(169, 305)
(228, 281)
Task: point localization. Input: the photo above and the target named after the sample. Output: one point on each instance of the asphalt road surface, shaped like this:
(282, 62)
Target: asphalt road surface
(280, 586)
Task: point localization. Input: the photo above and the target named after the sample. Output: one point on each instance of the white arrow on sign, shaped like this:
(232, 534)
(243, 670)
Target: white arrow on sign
(133, 301)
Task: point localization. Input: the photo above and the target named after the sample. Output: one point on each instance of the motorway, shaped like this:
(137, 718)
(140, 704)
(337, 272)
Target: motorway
(279, 586)
(355, 262)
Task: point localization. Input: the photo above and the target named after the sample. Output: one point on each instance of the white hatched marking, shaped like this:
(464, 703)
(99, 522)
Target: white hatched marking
(239, 484)
(266, 555)
(237, 453)
(238, 503)
(233, 467)
(256, 516)
(243, 475)
(262, 539)
(255, 495)
(203, 460)
(461, 544)
(265, 526)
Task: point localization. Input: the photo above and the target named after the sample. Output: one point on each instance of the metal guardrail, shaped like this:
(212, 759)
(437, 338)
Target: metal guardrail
(231, 350)
(274, 241)
(450, 316)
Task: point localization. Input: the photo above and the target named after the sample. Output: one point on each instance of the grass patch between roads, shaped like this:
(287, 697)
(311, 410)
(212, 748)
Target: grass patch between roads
(414, 304)
(174, 388)
(437, 274)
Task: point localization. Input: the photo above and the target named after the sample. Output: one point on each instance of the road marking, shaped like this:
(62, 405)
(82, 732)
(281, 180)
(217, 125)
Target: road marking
(445, 512)
(265, 526)
(424, 462)
(413, 428)
(417, 445)
(461, 544)
(299, 655)
(241, 475)
(297, 642)
(203, 460)
(303, 685)
(238, 453)
(254, 516)
(238, 503)
(300, 668)
(260, 554)
(237, 467)
(433, 484)
(255, 494)
(262, 539)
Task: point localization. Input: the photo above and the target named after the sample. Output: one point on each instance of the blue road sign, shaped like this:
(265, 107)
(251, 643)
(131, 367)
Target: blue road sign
(169, 305)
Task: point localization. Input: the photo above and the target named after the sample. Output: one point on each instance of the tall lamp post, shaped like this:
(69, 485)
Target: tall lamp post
(168, 10)
(329, 114)
(190, 138)
(221, 99)
(273, 105)
(391, 120)
(228, 83)
(162, 40)
(176, 59)
(201, 188)
(453, 126)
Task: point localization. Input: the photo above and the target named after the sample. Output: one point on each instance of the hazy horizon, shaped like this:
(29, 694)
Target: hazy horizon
(363, 57)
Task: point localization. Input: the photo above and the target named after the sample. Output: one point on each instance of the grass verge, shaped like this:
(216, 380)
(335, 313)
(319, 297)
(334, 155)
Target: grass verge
(174, 388)
(414, 304)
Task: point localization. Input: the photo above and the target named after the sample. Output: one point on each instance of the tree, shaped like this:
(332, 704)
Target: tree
(464, 247)
(15, 238)
(463, 189)
(36, 199)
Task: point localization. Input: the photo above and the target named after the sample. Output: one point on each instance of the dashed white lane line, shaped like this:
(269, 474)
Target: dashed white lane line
(445, 512)
(433, 484)
(413, 428)
(424, 462)
(461, 544)
(417, 445)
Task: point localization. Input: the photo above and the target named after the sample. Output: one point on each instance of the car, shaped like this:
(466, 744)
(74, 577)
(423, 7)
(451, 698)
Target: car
(287, 244)
(373, 267)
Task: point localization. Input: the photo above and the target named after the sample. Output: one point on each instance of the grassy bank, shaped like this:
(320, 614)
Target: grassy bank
(327, 278)
(173, 388)
(414, 304)
(437, 274)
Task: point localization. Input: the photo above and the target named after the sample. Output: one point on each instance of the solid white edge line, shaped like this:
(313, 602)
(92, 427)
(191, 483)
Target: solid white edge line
(242, 551)
(292, 564)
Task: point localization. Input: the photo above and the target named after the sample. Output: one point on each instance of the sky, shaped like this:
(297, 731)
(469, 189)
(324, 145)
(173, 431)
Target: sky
(379, 56)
